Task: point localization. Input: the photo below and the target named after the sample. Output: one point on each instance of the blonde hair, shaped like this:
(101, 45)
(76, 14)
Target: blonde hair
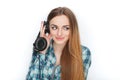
(71, 58)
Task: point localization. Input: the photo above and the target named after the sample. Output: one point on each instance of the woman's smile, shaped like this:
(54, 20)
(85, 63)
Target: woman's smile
(59, 38)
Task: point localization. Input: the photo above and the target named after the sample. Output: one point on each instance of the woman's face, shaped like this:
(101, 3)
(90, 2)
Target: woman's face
(60, 29)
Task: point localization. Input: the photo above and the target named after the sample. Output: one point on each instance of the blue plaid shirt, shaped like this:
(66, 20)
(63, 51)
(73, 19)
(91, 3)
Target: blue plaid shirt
(43, 67)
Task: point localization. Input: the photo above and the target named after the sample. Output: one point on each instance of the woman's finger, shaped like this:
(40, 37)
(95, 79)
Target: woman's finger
(42, 29)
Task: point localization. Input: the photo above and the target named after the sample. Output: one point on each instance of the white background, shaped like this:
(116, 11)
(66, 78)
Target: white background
(99, 22)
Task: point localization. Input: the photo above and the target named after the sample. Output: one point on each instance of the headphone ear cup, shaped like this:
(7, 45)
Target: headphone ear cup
(40, 44)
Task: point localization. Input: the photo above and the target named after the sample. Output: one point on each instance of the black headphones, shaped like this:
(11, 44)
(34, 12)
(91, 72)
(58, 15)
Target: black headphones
(41, 43)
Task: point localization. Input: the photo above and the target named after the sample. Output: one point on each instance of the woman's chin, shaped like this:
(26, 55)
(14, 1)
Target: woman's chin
(60, 41)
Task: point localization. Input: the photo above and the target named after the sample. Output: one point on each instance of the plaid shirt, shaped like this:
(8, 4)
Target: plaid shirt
(43, 67)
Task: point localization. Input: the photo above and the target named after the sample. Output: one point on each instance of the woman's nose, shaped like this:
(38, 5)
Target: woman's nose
(59, 32)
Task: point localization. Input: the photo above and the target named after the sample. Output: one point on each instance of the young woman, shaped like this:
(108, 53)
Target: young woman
(64, 58)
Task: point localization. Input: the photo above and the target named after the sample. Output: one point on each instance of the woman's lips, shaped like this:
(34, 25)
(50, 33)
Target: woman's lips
(59, 38)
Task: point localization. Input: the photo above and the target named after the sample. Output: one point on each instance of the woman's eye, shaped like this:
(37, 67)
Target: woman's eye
(66, 28)
(54, 27)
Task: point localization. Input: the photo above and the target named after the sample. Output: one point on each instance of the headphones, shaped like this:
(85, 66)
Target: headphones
(41, 43)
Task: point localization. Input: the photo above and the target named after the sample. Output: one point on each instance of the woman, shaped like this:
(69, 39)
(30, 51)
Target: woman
(64, 58)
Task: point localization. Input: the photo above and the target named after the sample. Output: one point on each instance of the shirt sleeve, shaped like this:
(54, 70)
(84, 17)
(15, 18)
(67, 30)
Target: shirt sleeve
(34, 73)
(86, 56)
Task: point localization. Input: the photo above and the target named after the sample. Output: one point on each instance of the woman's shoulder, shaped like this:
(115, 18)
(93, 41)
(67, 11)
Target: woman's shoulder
(85, 50)
(86, 56)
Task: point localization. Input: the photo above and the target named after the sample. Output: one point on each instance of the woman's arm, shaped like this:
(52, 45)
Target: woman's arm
(86, 56)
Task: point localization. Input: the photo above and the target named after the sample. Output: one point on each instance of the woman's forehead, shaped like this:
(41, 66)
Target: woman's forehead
(60, 20)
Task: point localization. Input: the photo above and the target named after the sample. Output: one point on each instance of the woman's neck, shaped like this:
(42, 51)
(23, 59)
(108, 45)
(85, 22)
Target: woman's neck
(58, 51)
(58, 47)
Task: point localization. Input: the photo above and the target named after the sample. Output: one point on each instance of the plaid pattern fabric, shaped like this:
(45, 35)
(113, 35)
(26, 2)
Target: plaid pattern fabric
(43, 67)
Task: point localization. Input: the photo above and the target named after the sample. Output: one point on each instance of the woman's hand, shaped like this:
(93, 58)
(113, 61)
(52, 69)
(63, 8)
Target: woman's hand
(46, 36)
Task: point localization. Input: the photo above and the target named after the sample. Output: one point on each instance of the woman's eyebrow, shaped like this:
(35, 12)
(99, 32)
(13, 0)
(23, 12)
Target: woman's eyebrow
(67, 25)
(56, 25)
(53, 25)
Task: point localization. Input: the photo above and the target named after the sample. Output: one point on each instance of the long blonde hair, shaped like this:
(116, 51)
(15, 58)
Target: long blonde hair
(71, 58)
